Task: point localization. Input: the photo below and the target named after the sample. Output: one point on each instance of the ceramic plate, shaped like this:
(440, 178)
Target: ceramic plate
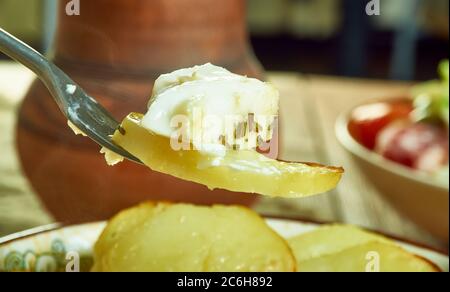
(50, 248)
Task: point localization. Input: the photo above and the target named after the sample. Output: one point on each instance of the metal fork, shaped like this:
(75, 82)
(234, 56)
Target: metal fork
(79, 108)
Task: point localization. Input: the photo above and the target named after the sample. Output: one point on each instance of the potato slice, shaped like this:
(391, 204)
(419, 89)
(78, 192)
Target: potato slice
(165, 237)
(373, 256)
(330, 239)
(240, 171)
(345, 248)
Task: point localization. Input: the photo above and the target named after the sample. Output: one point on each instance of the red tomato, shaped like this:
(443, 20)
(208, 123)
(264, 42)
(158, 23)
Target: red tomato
(368, 120)
(420, 146)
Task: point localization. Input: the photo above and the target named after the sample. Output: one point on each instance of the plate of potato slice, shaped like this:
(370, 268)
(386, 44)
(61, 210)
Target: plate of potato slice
(160, 236)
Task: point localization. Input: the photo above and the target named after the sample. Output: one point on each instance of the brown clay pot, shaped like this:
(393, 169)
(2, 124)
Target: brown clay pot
(115, 49)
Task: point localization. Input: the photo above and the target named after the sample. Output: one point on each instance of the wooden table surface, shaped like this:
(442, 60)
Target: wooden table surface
(309, 108)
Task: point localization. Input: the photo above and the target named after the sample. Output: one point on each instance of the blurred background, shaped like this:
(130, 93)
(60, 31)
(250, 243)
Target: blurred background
(330, 37)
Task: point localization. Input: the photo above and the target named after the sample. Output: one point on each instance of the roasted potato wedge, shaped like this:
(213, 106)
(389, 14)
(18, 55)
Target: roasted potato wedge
(330, 239)
(165, 237)
(344, 248)
(372, 256)
(241, 171)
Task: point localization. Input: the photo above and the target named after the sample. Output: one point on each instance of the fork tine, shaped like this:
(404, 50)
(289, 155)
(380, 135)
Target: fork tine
(93, 120)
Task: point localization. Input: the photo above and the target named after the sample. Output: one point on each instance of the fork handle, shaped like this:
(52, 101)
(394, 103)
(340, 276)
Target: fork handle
(53, 77)
(22, 53)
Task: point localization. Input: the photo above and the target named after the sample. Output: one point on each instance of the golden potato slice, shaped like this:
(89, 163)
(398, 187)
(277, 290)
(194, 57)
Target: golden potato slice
(329, 239)
(373, 256)
(240, 171)
(165, 237)
(345, 248)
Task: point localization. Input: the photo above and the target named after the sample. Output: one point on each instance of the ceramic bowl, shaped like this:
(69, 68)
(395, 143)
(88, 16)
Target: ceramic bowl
(419, 196)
